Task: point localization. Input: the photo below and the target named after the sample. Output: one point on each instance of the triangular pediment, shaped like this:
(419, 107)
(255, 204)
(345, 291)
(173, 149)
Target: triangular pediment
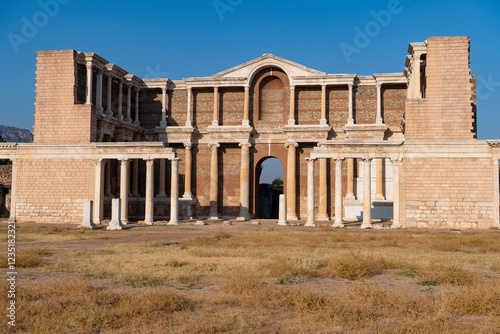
(248, 69)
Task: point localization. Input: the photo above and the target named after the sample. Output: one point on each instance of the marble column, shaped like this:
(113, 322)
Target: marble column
(163, 122)
(246, 108)
(323, 195)
(120, 101)
(188, 163)
(310, 193)
(214, 181)
(149, 215)
(13, 191)
(128, 119)
(88, 93)
(245, 181)
(215, 121)
(189, 107)
(379, 193)
(135, 178)
(338, 194)
(174, 193)
(323, 105)
(136, 118)
(396, 164)
(417, 93)
(379, 120)
(350, 121)
(161, 181)
(109, 112)
(291, 117)
(367, 196)
(98, 98)
(291, 185)
(282, 213)
(350, 180)
(124, 189)
(98, 190)
(107, 190)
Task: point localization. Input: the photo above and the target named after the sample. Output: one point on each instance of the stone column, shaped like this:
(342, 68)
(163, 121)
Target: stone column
(13, 190)
(174, 193)
(136, 118)
(215, 121)
(338, 194)
(291, 117)
(245, 181)
(323, 105)
(124, 188)
(350, 121)
(323, 195)
(128, 119)
(379, 120)
(120, 101)
(417, 94)
(291, 186)
(135, 179)
(188, 163)
(379, 194)
(310, 193)
(350, 180)
(282, 213)
(161, 183)
(189, 99)
(367, 196)
(115, 223)
(109, 112)
(88, 93)
(149, 215)
(246, 110)
(98, 190)
(107, 190)
(87, 215)
(396, 163)
(98, 97)
(214, 181)
(496, 194)
(163, 122)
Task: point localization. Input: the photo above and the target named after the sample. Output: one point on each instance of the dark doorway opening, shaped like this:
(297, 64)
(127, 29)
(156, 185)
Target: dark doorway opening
(269, 173)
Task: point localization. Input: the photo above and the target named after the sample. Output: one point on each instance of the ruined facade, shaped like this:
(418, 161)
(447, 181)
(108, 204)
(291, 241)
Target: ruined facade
(398, 146)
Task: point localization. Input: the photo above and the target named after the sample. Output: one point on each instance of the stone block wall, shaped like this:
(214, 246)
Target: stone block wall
(447, 111)
(5, 174)
(53, 190)
(58, 119)
(448, 192)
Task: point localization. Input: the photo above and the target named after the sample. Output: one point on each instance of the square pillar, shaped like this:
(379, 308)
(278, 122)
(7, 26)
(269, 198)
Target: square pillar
(310, 193)
(115, 223)
(87, 215)
(367, 197)
(338, 194)
(174, 193)
(149, 214)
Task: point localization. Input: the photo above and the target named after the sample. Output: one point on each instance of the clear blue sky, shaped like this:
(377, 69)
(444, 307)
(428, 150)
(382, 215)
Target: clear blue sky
(180, 39)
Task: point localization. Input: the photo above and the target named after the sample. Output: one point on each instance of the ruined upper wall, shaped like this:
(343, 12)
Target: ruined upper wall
(446, 111)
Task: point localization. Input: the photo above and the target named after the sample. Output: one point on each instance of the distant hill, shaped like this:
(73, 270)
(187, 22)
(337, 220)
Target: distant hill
(12, 134)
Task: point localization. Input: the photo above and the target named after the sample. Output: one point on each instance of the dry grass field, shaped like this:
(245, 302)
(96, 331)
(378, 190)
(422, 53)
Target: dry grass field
(254, 279)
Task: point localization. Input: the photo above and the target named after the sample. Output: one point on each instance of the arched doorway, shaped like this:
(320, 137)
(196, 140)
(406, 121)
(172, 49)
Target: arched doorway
(269, 176)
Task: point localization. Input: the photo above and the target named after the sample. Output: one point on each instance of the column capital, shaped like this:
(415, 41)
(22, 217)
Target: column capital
(124, 160)
(367, 159)
(310, 160)
(129, 84)
(149, 162)
(188, 145)
(290, 143)
(292, 86)
(339, 159)
(175, 160)
(97, 161)
(323, 86)
(245, 145)
(89, 65)
(213, 144)
(247, 87)
(396, 161)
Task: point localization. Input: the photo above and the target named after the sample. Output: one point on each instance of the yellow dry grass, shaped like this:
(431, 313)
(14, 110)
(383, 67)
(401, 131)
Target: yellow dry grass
(267, 280)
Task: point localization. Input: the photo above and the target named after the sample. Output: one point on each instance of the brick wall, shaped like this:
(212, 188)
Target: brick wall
(53, 190)
(448, 192)
(446, 113)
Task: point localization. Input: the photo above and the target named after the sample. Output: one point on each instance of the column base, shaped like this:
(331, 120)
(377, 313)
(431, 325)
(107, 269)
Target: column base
(243, 218)
(137, 123)
(366, 225)
(338, 225)
(109, 113)
(163, 124)
(149, 222)
(187, 196)
(115, 226)
(310, 225)
(215, 122)
(323, 218)
(13, 220)
(161, 195)
(283, 223)
(125, 221)
(323, 121)
(291, 122)
(350, 197)
(292, 217)
(89, 225)
(188, 123)
(128, 120)
(213, 217)
(245, 122)
(173, 222)
(379, 197)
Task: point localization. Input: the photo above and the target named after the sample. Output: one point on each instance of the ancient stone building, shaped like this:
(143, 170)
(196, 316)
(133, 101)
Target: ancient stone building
(398, 146)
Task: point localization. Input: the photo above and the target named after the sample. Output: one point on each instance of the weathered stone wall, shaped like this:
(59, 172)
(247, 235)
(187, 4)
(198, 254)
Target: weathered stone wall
(5, 174)
(446, 112)
(58, 119)
(448, 192)
(53, 190)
